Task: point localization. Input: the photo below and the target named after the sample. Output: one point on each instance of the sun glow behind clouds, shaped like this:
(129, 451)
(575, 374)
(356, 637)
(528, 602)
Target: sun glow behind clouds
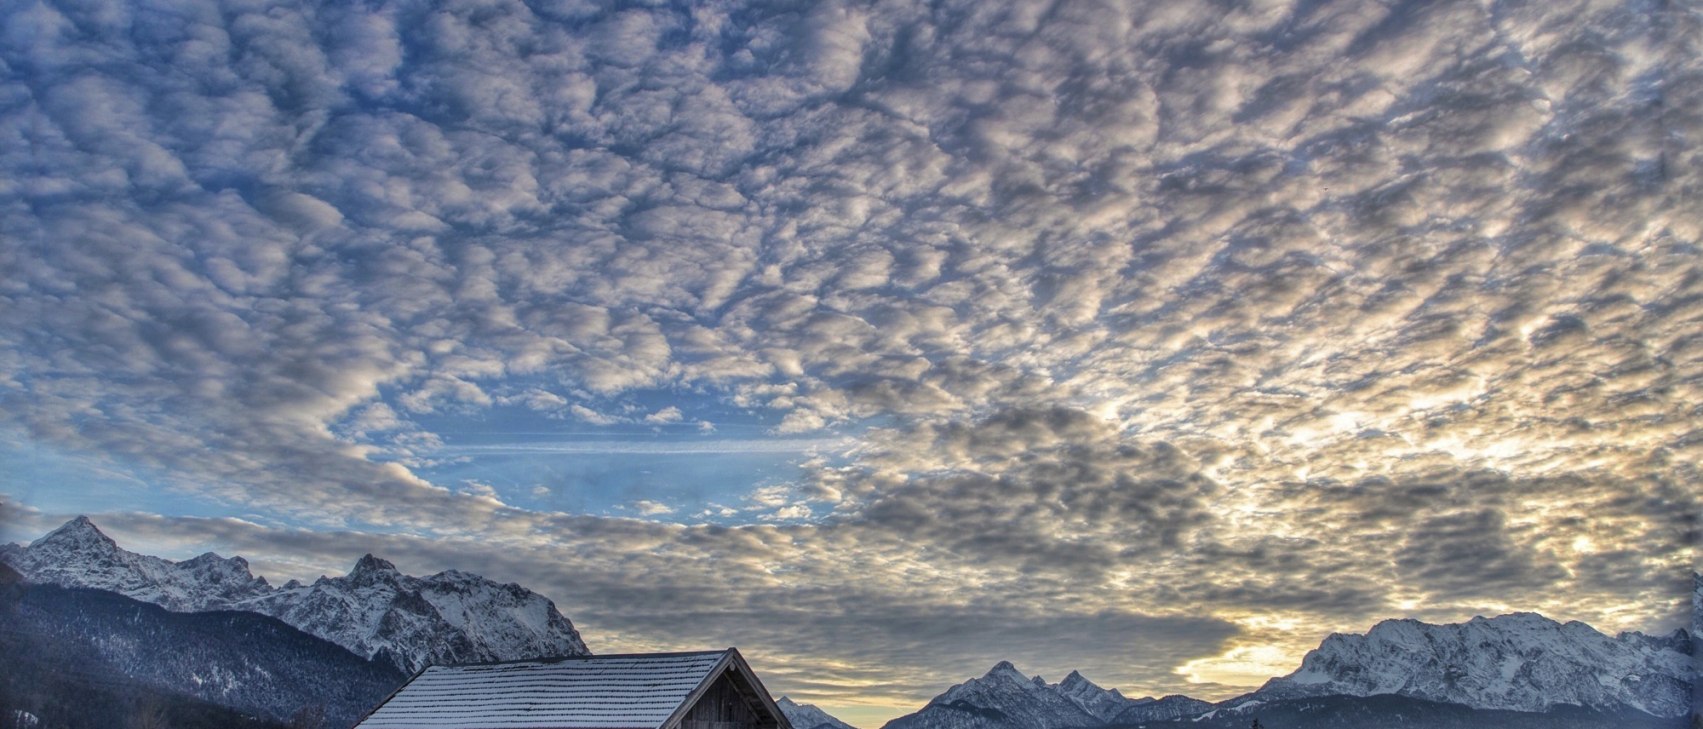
(1248, 665)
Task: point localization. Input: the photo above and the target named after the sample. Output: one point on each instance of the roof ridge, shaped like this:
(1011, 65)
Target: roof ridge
(562, 659)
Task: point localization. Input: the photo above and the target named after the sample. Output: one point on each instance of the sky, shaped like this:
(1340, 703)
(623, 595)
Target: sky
(882, 340)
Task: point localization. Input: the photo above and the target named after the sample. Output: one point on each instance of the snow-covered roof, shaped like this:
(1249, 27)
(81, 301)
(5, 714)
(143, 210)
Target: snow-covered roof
(635, 691)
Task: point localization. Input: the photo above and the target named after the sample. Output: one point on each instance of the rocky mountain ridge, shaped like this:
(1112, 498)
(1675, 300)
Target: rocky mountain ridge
(1517, 662)
(78, 554)
(1005, 698)
(374, 611)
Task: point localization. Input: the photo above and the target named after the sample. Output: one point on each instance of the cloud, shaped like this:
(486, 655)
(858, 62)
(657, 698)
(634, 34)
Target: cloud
(646, 507)
(670, 414)
(1112, 316)
(592, 416)
(767, 445)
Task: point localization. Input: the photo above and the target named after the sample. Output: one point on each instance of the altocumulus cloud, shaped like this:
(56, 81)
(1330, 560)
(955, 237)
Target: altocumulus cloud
(1208, 328)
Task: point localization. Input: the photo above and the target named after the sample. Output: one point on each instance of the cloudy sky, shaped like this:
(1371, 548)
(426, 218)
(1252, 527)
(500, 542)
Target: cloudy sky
(883, 340)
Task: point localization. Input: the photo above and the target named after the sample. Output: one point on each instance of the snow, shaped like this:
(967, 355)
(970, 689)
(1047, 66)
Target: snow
(1005, 698)
(1026, 702)
(77, 554)
(1519, 662)
(609, 692)
(808, 716)
(374, 611)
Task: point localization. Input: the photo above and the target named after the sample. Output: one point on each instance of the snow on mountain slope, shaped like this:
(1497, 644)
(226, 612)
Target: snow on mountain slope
(1006, 699)
(449, 617)
(79, 555)
(1103, 704)
(374, 611)
(1175, 706)
(808, 716)
(1521, 662)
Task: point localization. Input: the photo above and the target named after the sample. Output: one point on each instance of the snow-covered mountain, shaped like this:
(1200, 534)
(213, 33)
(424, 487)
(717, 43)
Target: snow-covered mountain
(1515, 670)
(374, 611)
(1004, 698)
(1175, 706)
(1103, 704)
(449, 617)
(79, 555)
(808, 716)
(1519, 662)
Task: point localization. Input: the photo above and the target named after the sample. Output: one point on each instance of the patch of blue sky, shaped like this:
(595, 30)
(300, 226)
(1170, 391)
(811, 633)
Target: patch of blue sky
(62, 483)
(651, 457)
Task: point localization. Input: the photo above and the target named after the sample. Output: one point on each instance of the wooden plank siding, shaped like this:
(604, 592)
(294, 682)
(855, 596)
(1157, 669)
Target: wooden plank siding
(726, 705)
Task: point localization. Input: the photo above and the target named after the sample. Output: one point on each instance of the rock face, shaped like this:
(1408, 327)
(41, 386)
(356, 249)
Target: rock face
(1102, 704)
(1518, 662)
(1004, 698)
(807, 716)
(374, 611)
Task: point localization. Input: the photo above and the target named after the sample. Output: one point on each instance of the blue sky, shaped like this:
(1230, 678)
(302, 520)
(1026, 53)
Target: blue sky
(885, 340)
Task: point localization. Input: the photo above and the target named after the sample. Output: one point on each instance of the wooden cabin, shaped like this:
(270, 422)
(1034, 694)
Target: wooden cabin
(705, 690)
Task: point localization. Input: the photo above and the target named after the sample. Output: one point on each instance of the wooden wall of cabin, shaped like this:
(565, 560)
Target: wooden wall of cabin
(725, 706)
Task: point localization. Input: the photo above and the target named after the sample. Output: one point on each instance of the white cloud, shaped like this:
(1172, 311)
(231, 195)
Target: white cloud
(670, 414)
(646, 507)
(592, 416)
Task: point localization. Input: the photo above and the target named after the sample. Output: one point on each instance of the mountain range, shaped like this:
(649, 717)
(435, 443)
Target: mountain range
(248, 664)
(264, 655)
(374, 611)
(1005, 698)
(1518, 662)
(1510, 671)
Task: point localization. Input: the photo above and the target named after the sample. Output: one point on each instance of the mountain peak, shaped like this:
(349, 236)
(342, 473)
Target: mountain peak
(78, 554)
(80, 532)
(1003, 670)
(1104, 704)
(807, 716)
(1004, 698)
(370, 566)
